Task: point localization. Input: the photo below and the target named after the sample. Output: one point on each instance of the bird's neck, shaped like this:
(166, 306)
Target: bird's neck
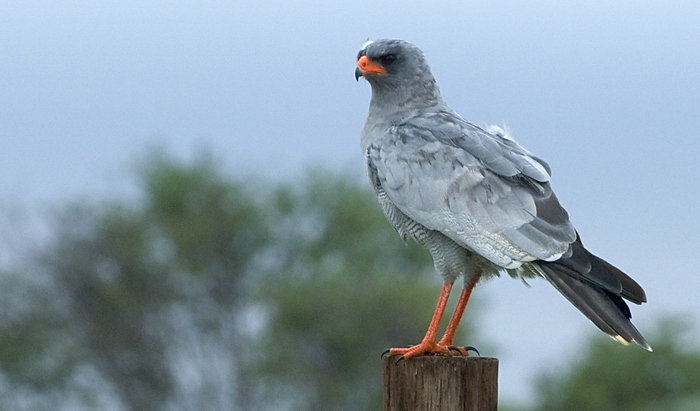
(393, 103)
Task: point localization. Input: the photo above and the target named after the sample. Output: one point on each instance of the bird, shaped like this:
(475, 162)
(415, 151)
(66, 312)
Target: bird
(476, 199)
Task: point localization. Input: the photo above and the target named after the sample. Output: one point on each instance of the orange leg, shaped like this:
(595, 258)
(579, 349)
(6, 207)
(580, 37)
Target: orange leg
(428, 345)
(449, 336)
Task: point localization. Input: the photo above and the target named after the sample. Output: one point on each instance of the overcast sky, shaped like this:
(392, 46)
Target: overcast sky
(607, 92)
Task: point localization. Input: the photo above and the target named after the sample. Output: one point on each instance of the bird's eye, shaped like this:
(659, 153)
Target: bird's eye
(387, 59)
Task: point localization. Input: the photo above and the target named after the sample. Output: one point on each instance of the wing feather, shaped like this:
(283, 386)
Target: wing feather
(483, 190)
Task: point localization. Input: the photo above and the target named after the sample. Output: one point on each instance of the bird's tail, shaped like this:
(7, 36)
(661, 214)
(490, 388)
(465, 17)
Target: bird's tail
(597, 289)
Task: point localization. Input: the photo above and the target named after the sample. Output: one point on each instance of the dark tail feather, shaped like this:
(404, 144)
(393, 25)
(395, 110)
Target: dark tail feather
(578, 277)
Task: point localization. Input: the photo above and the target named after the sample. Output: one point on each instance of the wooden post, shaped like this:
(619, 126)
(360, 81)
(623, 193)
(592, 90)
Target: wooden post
(432, 383)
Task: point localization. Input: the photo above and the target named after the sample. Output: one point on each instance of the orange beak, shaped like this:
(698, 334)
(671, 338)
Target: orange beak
(366, 67)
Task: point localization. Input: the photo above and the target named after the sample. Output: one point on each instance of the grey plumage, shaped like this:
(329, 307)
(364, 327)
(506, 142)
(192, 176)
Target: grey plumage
(475, 198)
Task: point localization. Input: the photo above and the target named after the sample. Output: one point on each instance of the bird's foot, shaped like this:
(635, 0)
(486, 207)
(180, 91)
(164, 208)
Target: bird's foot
(428, 348)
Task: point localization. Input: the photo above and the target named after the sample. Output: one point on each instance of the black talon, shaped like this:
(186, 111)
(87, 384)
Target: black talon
(462, 349)
(388, 350)
(398, 358)
(470, 348)
(454, 348)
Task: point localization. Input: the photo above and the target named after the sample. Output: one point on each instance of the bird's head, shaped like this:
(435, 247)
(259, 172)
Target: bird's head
(396, 68)
(389, 59)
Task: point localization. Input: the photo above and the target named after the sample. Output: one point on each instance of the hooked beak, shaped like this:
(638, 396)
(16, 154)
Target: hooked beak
(358, 74)
(366, 67)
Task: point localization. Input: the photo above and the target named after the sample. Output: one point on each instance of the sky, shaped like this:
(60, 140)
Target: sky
(608, 93)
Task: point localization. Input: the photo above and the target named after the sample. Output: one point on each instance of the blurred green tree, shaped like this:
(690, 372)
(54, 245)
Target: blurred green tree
(613, 377)
(142, 298)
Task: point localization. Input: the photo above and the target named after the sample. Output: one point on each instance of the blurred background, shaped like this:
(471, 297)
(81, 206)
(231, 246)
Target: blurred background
(185, 222)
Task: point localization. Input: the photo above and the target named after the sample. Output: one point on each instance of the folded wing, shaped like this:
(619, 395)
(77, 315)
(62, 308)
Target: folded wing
(482, 190)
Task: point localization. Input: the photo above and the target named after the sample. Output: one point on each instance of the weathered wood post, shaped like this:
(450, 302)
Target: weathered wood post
(432, 383)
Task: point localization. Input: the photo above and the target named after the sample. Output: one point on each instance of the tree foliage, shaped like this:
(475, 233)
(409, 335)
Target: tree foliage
(612, 377)
(132, 293)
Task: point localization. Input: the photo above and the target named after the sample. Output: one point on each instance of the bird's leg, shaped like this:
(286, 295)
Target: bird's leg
(428, 345)
(449, 336)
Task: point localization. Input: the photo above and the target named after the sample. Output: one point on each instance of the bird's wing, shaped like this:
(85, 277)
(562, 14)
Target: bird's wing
(481, 189)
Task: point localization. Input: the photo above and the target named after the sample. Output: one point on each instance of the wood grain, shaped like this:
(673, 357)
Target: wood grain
(433, 383)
